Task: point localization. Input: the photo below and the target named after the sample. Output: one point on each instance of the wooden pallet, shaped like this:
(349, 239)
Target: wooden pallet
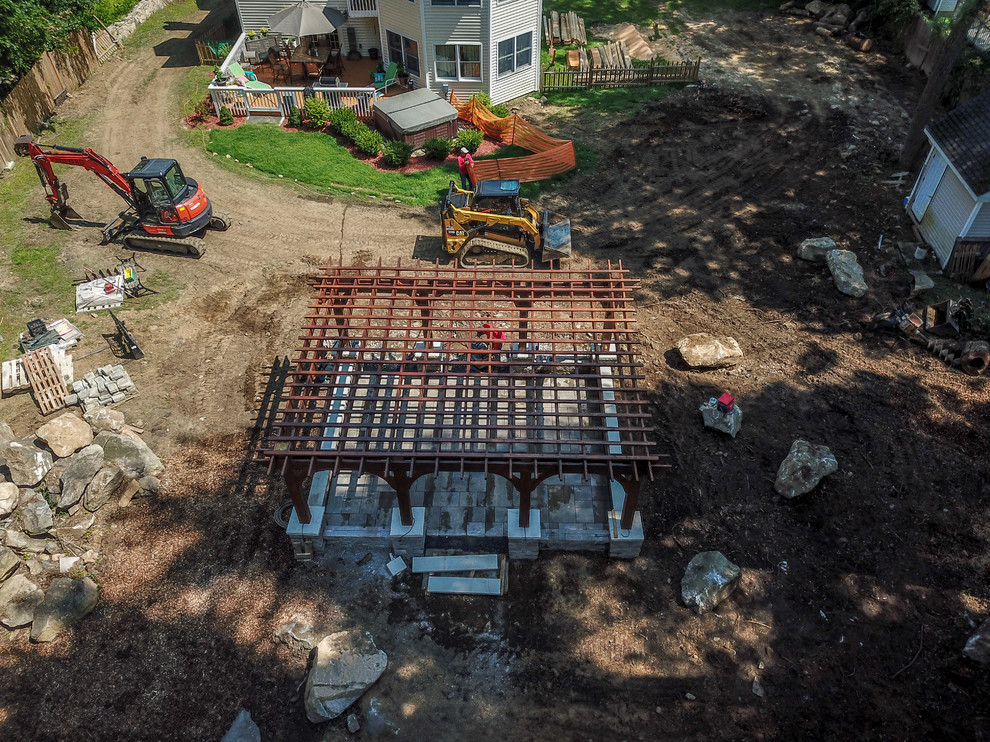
(46, 380)
(13, 378)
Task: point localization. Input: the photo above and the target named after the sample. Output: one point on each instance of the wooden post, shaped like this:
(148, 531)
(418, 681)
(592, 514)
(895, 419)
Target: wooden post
(293, 482)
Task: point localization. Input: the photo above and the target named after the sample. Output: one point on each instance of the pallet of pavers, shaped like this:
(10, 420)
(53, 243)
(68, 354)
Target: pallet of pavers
(458, 574)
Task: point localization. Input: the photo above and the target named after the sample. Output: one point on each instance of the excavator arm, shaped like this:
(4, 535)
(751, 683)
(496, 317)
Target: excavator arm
(56, 191)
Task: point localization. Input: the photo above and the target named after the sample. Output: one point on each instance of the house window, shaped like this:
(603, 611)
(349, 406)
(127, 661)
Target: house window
(406, 51)
(457, 2)
(458, 62)
(515, 53)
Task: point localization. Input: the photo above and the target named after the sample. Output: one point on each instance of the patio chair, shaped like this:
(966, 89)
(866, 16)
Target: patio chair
(279, 69)
(390, 74)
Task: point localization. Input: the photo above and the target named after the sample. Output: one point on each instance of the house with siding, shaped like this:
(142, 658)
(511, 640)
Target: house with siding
(950, 202)
(461, 46)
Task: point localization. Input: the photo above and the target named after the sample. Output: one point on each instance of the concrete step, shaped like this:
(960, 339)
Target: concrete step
(458, 585)
(456, 563)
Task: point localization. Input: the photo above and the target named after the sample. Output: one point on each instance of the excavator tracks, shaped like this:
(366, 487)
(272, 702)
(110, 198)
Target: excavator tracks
(193, 246)
(484, 253)
(220, 221)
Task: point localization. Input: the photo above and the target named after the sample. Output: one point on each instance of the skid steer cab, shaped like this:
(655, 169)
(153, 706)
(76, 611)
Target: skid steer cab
(492, 226)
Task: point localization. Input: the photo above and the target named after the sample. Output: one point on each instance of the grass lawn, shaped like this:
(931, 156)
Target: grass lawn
(319, 160)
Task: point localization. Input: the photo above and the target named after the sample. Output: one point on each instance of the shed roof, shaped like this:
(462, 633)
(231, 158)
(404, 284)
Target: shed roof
(964, 135)
(415, 111)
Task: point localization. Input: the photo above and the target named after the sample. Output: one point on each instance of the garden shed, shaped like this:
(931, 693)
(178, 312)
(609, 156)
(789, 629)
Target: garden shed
(950, 202)
(415, 117)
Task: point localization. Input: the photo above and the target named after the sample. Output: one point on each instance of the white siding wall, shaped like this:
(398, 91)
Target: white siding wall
(254, 15)
(467, 24)
(511, 18)
(947, 214)
(980, 228)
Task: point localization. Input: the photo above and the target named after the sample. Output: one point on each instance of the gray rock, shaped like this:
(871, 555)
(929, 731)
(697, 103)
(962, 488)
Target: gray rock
(344, 666)
(74, 530)
(77, 476)
(106, 482)
(132, 456)
(53, 479)
(27, 463)
(921, 281)
(36, 517)
(66, 434)
(804, 468)
(708, 580)
(243, 729)
(19, 600)
(65, 604)
(978, 645)
(20, 541)
(298, 635)
(9, 561)
(702, 350)
(353, 725)
(9, 497)
(6, 436)
(817, 8)
(377, 725)
(726, 422)
(149, 485)
(815, 249)
(846, 272)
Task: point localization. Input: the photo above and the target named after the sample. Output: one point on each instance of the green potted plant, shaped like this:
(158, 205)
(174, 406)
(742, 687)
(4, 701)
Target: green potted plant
(264, 33)
(401, 74)
(252, 34)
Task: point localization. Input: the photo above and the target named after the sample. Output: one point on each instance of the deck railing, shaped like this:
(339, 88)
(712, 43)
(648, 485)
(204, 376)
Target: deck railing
(622, 77)
(362, 6)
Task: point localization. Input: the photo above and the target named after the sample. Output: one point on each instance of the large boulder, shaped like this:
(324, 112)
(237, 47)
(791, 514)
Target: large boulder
(20, 541)
(978, 646)
(76, 530)
(846, 272)
(708, 580)
(66, 434)
(702, 350)
(19, 600)
(727, 422)
(6, 436)
(27, 463)
(65, 603)
(134, 457)
(36, 516)
(104, 418)
(82, 468)
(243, 729)
(9, 498)
(804, 468)
(107, 481)
(815, 249)
(344, 666)
(9, 561)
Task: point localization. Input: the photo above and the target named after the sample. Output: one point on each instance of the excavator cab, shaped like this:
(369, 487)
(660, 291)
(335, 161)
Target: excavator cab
(168, 203)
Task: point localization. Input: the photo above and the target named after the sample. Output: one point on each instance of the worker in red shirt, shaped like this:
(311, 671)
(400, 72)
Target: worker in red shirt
(464, 164)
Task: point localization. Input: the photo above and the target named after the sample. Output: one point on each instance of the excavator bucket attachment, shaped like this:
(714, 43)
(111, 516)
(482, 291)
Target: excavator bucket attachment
(61, 216)
(556, 239)
(62, 213)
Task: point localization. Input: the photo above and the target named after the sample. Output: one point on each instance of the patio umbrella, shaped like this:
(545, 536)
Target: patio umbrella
(305, 19)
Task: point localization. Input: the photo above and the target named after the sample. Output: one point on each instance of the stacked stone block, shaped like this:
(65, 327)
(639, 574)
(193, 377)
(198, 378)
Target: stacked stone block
(105, 386)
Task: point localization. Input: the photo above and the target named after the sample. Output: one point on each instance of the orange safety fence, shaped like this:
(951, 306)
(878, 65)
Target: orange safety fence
(550, 156)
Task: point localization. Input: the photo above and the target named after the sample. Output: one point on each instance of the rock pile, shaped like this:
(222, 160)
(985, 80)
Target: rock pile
(105, 386)
(830, 19)
(52, 484)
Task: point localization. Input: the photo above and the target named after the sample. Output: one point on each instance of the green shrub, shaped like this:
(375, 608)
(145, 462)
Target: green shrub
(317, 112)
(226, 117)
(339, 117)
(223, 50)
(204, 107)
(295, 117)
(370, 142)
(352, 129)
(486, 100)
(397, 153)
(439, 148)
(111, 11)
(469, 138)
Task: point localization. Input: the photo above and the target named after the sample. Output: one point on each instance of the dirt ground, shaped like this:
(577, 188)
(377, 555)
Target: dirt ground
(856, 599)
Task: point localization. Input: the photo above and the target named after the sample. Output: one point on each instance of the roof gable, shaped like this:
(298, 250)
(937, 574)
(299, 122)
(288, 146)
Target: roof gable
(964, 136)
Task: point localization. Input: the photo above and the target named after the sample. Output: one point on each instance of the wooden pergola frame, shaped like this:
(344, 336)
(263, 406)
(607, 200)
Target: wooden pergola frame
(401, 373)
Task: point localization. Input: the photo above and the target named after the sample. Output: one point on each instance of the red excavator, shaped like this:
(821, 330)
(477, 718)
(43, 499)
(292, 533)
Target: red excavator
(166, 210)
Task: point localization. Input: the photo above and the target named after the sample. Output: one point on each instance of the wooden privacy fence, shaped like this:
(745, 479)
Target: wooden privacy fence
(209, 41)
(278, 101)
(624, 77)
(550, 156)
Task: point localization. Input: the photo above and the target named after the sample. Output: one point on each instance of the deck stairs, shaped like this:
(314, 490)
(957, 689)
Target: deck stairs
(464, 574)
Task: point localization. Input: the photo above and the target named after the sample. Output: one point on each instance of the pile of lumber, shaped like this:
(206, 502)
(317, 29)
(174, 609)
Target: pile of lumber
(611, 56)
(566, 28)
